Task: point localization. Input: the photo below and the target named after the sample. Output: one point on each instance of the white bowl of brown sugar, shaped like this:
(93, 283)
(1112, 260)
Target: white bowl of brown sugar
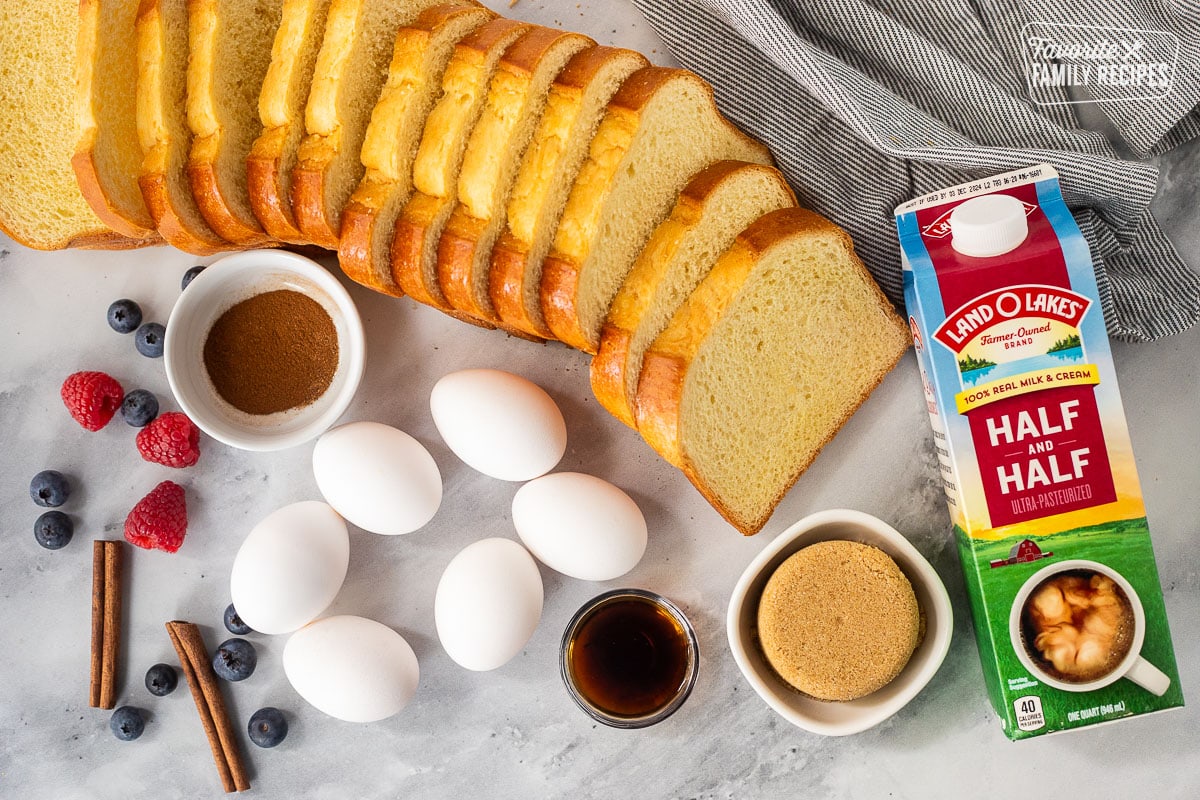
(264, 350)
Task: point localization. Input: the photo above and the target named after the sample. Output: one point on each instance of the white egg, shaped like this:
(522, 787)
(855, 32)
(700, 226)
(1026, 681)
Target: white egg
(488, 603)
(290, 567)
(499, 423)
(352, 668)
(377, 477)
(580, 525)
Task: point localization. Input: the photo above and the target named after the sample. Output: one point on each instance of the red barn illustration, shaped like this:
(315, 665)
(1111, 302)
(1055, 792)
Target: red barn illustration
(1021, 553)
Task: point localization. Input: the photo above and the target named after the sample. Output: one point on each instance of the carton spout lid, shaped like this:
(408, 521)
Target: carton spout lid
(988, 226)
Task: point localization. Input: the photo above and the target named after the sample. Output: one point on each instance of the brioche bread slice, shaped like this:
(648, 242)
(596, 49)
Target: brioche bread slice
(229, 44)
(660, 129)
(393, 135)
(765, 361)
(281, 111)
(515, 102)
(575, 104)
(439, 157)
(162, 49)
(715, 206)
(108, 155)
(351, 68)
(41, 205)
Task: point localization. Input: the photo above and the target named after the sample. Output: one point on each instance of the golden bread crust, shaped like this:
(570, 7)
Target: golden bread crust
(281, 110)
(531, 211)
(610, 375)
(514, 104)
(581, 223)
(127, 220)
(435, 170)
(270, 197)
(414, 76)
(163, 181)
(658, 406)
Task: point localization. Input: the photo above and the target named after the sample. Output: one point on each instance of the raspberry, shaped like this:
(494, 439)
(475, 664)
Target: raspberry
(159, 520)
(171, 440)
(92, 398)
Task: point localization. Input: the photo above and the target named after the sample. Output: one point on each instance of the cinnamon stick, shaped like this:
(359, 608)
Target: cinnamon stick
(107, 560)
(113, 562)
(206, 692)
(97, 623)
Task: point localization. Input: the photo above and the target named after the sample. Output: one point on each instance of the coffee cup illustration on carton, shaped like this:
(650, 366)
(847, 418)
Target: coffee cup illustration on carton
(1079, 626)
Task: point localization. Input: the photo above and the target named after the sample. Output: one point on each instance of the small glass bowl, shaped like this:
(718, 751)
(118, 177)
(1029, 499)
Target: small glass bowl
(666, 709)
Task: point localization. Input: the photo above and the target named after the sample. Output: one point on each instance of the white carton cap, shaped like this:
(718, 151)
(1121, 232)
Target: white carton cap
(988, 226)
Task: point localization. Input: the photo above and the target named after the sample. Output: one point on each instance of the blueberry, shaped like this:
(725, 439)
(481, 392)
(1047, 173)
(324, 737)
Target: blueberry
(53, 530)
(189, 276)
(161, 680)
(49, 488)
(127, 723)
(267, 727)
(235, 660)
(149, 339)
(124, 316)
(234, 624)
(139, 407)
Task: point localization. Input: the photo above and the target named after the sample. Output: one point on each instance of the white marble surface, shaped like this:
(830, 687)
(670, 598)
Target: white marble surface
(514, 732)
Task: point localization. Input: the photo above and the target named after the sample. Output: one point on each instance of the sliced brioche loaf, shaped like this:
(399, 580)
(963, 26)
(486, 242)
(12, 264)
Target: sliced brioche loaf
(660, 129)
(715, 206)
(439, 157)
(765, 361)
(393, 135)
(281, 111)
(162, 49)
(351, 68)
(575, 104)
(40, 203)
(515, 101)
(229, 51)
(108, 155)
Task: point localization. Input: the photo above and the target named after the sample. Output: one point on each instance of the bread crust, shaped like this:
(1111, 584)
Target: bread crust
(511, 269)
(269, 198)
(609, 370)
(415, 223)
(661, 384)
(98, 239)
(171, 226)
(574, 239)
(154, 180)
(269, 162)
(87, 175)
(364, 218)
(202, 177)
(460, 242)
(205, 26)
(133, 223)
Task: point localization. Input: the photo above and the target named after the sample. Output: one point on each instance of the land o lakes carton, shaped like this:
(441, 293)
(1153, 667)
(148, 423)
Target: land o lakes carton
(1035, 455)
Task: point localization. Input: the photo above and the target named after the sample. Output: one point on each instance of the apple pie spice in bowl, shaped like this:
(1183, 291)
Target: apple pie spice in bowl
(272, 352)
(266, 350)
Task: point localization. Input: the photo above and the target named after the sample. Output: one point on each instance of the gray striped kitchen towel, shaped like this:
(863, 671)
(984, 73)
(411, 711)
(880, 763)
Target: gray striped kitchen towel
(868, 103)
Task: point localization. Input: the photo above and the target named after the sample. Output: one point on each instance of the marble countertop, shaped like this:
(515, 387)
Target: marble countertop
(514, 732)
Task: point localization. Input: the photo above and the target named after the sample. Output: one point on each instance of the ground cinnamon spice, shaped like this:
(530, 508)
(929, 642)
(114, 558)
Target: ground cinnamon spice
(272, 352)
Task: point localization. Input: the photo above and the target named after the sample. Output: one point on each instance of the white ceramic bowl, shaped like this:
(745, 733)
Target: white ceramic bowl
(854, 716)
(226, 282)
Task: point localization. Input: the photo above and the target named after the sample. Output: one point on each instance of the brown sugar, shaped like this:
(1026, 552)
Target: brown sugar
(838, 620)
(272, 352)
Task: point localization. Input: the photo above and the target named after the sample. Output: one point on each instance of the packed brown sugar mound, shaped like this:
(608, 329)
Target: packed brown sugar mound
(838, 620)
